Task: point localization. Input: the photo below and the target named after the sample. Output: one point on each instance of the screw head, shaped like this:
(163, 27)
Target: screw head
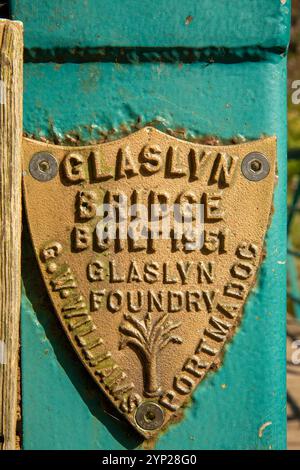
(255, 166)
(43, 166)
(149, 416)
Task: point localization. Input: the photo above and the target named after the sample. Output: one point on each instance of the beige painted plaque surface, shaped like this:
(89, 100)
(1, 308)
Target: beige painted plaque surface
(149, 304)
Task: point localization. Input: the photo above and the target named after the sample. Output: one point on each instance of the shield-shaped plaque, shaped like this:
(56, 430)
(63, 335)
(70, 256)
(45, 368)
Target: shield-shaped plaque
(149, 246)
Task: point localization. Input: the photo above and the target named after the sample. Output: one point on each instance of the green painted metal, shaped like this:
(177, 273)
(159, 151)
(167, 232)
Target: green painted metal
(62, 408)
(153, 23)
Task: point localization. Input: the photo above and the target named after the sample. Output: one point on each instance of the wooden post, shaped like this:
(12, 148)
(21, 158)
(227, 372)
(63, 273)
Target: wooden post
(11, 89)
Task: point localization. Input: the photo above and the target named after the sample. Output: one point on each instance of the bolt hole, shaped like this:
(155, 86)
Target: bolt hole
(44, 166)
(255, 166)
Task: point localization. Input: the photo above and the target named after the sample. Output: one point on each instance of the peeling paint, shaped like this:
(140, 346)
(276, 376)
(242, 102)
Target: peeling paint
(263, 427)
(94, 134)
(188, 20)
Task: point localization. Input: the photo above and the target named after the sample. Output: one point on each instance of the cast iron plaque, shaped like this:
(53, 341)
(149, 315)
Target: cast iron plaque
(149, 247)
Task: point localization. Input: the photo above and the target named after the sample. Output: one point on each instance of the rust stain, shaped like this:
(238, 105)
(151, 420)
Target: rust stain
(188, 20)
(76, 137)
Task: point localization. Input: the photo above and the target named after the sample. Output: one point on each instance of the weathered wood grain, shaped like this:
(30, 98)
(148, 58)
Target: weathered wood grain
(11, 51)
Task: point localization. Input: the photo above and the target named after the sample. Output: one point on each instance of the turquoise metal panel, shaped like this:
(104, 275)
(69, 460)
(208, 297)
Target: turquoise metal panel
(61, 406)
(153, 23)
(220, 99)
